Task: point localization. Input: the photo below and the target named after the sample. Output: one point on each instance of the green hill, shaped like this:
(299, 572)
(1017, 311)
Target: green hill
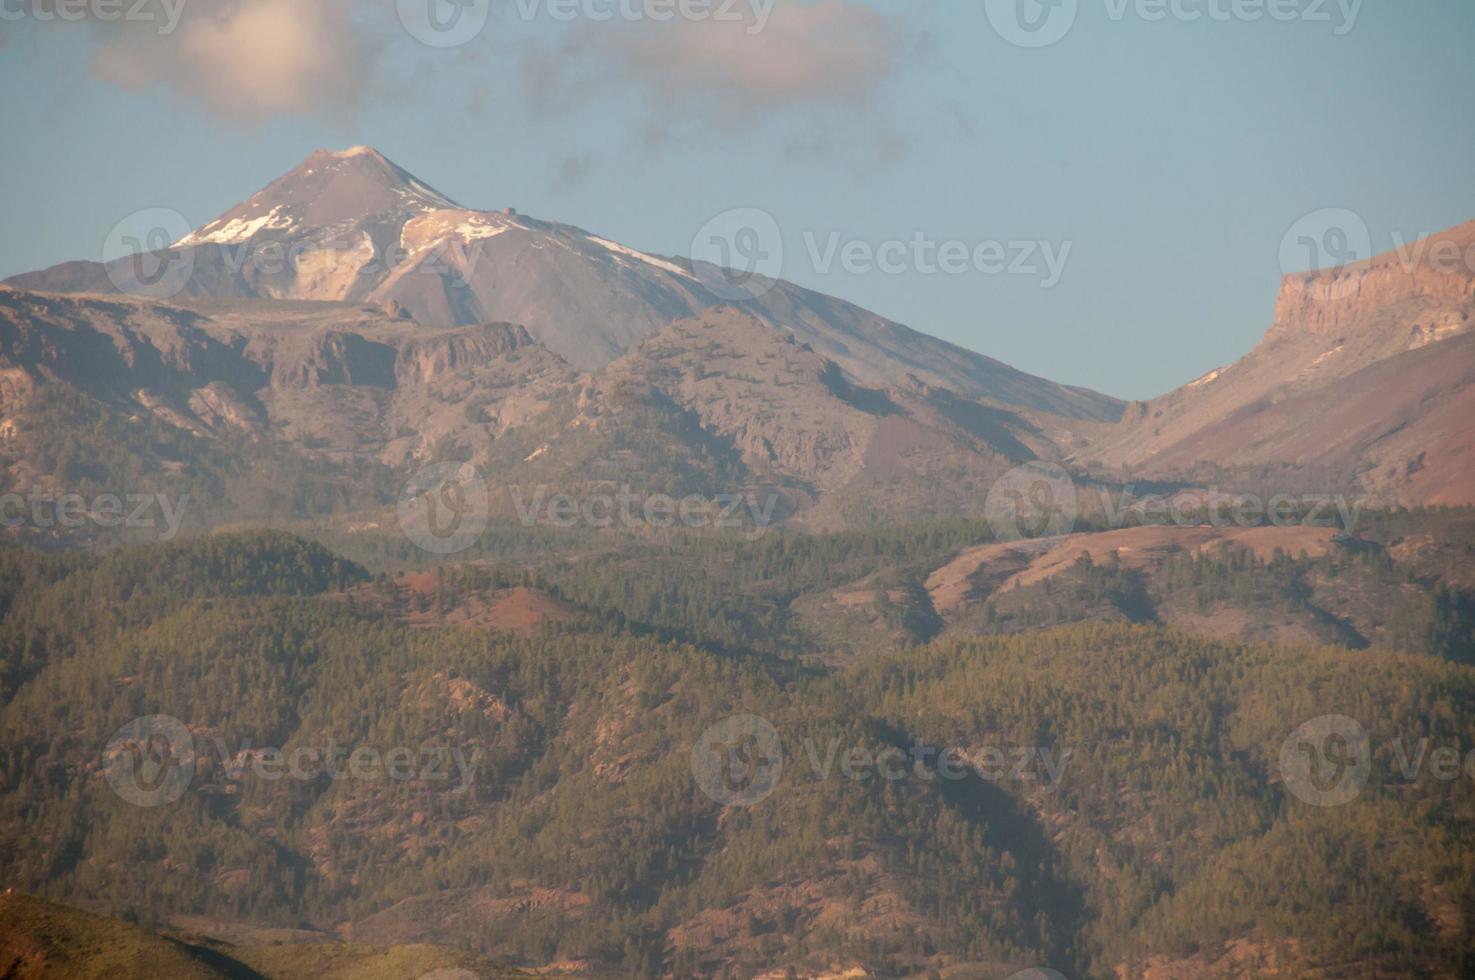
(1119, 779)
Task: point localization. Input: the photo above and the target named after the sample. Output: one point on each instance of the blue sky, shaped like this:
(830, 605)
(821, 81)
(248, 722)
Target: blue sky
(1171, 155)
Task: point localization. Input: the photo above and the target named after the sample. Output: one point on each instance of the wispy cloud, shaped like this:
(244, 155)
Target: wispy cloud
(729, 73)
(247, 59)
(256, 60)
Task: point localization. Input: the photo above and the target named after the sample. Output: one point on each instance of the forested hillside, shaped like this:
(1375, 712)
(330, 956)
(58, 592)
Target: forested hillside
(1075, 797)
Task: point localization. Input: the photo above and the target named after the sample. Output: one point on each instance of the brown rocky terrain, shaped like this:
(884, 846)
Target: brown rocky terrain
(351, 226)
(406, 327)
(357, 385)
(1364, 381)
(792, 413)
(346, 381)
(990, 568)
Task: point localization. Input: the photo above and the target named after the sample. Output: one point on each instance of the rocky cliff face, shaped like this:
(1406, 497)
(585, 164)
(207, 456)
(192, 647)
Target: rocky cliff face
(1357, 380)
(1428, 286)
(422, 360)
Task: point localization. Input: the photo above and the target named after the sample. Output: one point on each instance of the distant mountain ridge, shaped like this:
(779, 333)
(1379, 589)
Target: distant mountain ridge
(406, 327)
(1367, 378)
(360, 229)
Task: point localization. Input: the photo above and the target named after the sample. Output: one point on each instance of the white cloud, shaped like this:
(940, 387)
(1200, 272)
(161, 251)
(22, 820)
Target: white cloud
(248, 59)
(827, 54)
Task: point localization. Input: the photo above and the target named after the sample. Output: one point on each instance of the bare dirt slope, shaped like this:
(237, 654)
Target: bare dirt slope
(1365, 379)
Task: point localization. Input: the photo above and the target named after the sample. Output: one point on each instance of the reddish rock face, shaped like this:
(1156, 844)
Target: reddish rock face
(1431, 280)
(1367, 378)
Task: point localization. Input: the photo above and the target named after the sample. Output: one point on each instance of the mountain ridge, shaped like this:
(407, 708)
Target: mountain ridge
(1367, 376)
(358, 228)
(1362, 383)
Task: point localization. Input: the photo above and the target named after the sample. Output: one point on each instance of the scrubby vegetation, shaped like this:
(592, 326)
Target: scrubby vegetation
(1140, 814)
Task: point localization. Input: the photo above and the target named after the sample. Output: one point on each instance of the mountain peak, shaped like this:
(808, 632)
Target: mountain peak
(357, 151)
(330, 189)
(354, 159)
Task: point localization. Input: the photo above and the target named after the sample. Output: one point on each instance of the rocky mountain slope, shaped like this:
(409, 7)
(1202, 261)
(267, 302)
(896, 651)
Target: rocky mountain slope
(793, 415)
(720, 402)
(352, 313)
(1366, 380)
(351, 226)
(340, 380)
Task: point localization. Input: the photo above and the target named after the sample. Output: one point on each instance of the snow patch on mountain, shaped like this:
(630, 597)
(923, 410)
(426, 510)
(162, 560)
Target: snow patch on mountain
(221, 232)
(631, 253)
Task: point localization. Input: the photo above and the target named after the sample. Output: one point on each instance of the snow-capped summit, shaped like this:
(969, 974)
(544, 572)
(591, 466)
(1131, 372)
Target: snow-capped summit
(330, 189)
